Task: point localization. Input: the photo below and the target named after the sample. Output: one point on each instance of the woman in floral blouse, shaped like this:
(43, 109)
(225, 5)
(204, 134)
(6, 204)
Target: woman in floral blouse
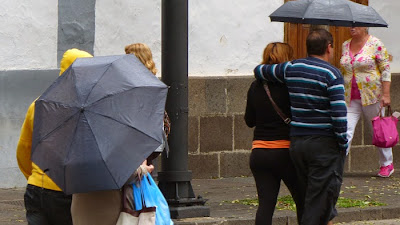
(366, 70)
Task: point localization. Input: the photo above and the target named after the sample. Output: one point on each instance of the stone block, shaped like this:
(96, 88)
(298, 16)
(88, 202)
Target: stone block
(292, 220)
(193, 134)
(390, 213)
(207, 96)
(216, 134)
(367, 132)
(394, 96)
(238, 222)
(284, 217)
(347, 215)
(371, 214)
(243, 135)
(215, 95)
(363, 159)
(235, 164)
(199, 221)
(282, 221)
(204, 166)
(358, 135)
(157, 167)
(179, 222)
(216, 221)
(237, 93)
(196, 98)
(396, 156)
(346, 165)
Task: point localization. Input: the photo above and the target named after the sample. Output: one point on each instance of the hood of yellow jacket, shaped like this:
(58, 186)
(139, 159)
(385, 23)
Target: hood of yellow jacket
(69, 57)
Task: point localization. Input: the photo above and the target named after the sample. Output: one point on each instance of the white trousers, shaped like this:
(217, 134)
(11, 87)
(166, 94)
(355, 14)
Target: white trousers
(354, 111)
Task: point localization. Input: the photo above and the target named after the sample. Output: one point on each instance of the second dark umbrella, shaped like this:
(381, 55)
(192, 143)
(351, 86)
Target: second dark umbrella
(328, 12)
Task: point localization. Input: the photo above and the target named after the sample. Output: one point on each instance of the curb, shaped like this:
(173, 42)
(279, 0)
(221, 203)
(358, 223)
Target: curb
(283, 217)
(345, 216)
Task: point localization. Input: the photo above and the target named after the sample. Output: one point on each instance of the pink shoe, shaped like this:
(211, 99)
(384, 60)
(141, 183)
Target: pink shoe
(386, 171)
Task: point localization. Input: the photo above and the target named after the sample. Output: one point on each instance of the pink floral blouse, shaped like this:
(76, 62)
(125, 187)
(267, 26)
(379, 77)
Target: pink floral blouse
(370, 67)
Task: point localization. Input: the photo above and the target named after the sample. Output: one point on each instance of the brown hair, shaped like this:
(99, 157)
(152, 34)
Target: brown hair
(143, 53)
(277, 52)
(317, 42)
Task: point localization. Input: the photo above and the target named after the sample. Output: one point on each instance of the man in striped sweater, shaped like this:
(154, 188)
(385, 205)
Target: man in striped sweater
(318, 127)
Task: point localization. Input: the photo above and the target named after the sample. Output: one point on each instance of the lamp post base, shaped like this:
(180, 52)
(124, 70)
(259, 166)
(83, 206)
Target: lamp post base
(178, 191)
(189, 212)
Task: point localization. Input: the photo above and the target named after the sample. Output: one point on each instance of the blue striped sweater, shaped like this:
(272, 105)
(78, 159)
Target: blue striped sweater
(316, 96)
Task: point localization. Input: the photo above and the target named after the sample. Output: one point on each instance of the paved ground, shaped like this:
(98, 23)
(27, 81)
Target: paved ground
(366, 186)
(12, 206)
(221, 193)
(375, 222)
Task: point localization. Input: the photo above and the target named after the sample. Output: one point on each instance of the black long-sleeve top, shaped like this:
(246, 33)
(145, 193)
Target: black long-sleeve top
(260, 113)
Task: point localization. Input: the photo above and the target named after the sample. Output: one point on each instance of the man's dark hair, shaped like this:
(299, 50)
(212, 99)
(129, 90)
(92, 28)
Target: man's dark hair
(317, 41)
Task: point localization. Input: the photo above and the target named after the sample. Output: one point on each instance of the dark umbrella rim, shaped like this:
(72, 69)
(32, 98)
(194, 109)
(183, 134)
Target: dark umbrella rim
(300, 17)
(342, 23)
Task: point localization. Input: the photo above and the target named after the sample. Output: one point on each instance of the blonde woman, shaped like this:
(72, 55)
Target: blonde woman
(270, 161)
(143, 53)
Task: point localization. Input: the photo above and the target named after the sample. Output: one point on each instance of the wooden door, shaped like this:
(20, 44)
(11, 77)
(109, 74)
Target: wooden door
(296, 35)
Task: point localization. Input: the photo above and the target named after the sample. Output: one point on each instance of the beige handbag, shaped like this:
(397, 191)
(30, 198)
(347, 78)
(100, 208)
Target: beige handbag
(142, 217)
(128, 216)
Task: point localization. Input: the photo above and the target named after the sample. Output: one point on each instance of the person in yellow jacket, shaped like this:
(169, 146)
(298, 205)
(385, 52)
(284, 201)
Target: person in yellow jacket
(45, 203)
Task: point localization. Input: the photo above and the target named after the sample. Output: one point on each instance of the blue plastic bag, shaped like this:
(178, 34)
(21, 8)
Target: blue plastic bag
(153, 197)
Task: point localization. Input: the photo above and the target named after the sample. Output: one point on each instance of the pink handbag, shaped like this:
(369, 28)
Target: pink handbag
(385, 130)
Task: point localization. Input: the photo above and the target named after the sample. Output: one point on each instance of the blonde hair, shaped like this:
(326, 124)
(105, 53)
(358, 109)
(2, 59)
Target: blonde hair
(143, 53)
(277, 52)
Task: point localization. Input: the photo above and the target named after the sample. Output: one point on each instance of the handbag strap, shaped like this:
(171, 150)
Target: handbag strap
(126, 208)
(388, 112)
(285, 119)
(125, 205)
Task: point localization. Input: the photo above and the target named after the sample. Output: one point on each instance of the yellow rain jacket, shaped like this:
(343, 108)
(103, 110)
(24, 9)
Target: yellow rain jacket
(31, 171)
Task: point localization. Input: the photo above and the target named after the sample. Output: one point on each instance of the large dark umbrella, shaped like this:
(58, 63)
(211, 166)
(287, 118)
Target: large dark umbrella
(328, 12)
(98, 122)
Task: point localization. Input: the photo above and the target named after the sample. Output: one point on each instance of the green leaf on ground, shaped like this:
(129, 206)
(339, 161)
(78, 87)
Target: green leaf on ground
(349, 203)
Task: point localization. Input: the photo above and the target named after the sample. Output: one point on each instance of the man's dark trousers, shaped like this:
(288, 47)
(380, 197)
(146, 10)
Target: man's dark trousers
(319, 164)
(47, 207)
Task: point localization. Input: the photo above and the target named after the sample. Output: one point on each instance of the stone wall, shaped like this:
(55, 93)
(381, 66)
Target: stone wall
(220, 141)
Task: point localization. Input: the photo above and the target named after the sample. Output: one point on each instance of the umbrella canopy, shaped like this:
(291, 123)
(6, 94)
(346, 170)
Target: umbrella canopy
(328, 12)
(98, 122)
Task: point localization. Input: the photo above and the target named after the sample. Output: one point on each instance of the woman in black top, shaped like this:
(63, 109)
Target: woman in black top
(269, 160)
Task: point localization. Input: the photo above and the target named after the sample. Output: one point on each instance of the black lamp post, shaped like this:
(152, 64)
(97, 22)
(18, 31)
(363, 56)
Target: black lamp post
(174, 177)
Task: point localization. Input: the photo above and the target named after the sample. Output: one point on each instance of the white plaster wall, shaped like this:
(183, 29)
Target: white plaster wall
(28, 34)
(389, 10)
(122, 22)
(226, 37)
